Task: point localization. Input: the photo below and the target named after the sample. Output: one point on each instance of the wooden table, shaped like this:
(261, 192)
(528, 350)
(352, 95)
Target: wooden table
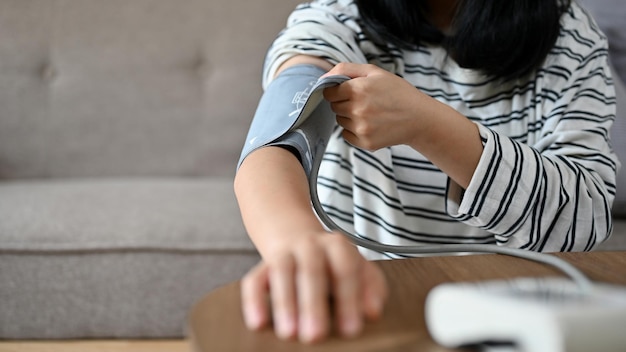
(216, 323)
(90, 345)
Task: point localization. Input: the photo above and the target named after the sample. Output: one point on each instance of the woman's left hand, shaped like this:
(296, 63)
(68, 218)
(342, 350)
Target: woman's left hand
(376, 108)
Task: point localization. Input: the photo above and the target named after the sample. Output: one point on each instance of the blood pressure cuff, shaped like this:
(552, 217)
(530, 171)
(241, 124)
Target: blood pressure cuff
(293, 113)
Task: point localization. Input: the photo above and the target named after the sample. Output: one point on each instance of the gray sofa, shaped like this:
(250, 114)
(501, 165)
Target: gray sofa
(120, 125)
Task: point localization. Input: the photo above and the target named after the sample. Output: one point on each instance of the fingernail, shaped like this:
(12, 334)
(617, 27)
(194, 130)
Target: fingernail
(309, 330)
(285, 327)
(351, 326)
(252, 318)
(375, 305)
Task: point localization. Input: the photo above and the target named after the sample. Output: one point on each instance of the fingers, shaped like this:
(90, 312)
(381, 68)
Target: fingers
(254, 295)
(297, 287)
(346, 90)
(358, 134)
(283, 297)
(313, 304)
(351, 70)
(338, 93)
(345, 270)
(375, 291)
(299, 284)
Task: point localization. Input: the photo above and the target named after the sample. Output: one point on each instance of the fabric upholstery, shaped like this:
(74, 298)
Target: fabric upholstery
(96, 88)
(123, 214)
(610, 14)
(618, 138)
(109, 294)
(114, 258)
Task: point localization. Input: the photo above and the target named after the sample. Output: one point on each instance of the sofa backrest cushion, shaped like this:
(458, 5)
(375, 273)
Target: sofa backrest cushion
(610, 14)
(93, 88)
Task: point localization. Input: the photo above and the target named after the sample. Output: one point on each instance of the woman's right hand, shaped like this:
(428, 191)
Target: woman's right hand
(311, 283)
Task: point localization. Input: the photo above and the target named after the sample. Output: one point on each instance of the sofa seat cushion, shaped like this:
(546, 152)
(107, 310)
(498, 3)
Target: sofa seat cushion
(105, 214)
(114, 258)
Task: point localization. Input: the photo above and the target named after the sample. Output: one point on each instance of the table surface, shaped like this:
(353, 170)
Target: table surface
(216, 322)
(91, 345)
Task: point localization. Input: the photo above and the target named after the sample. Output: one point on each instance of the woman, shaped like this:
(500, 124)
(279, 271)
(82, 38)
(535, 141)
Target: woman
(505, 141)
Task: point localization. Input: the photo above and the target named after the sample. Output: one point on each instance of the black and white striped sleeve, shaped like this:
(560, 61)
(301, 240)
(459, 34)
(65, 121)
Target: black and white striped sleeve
(556, 193)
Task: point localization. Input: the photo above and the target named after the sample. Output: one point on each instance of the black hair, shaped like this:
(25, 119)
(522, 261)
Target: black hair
(504, 39)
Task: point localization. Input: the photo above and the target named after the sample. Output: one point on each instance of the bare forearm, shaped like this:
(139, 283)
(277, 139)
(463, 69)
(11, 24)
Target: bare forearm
(449, 140)
(273, 195)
